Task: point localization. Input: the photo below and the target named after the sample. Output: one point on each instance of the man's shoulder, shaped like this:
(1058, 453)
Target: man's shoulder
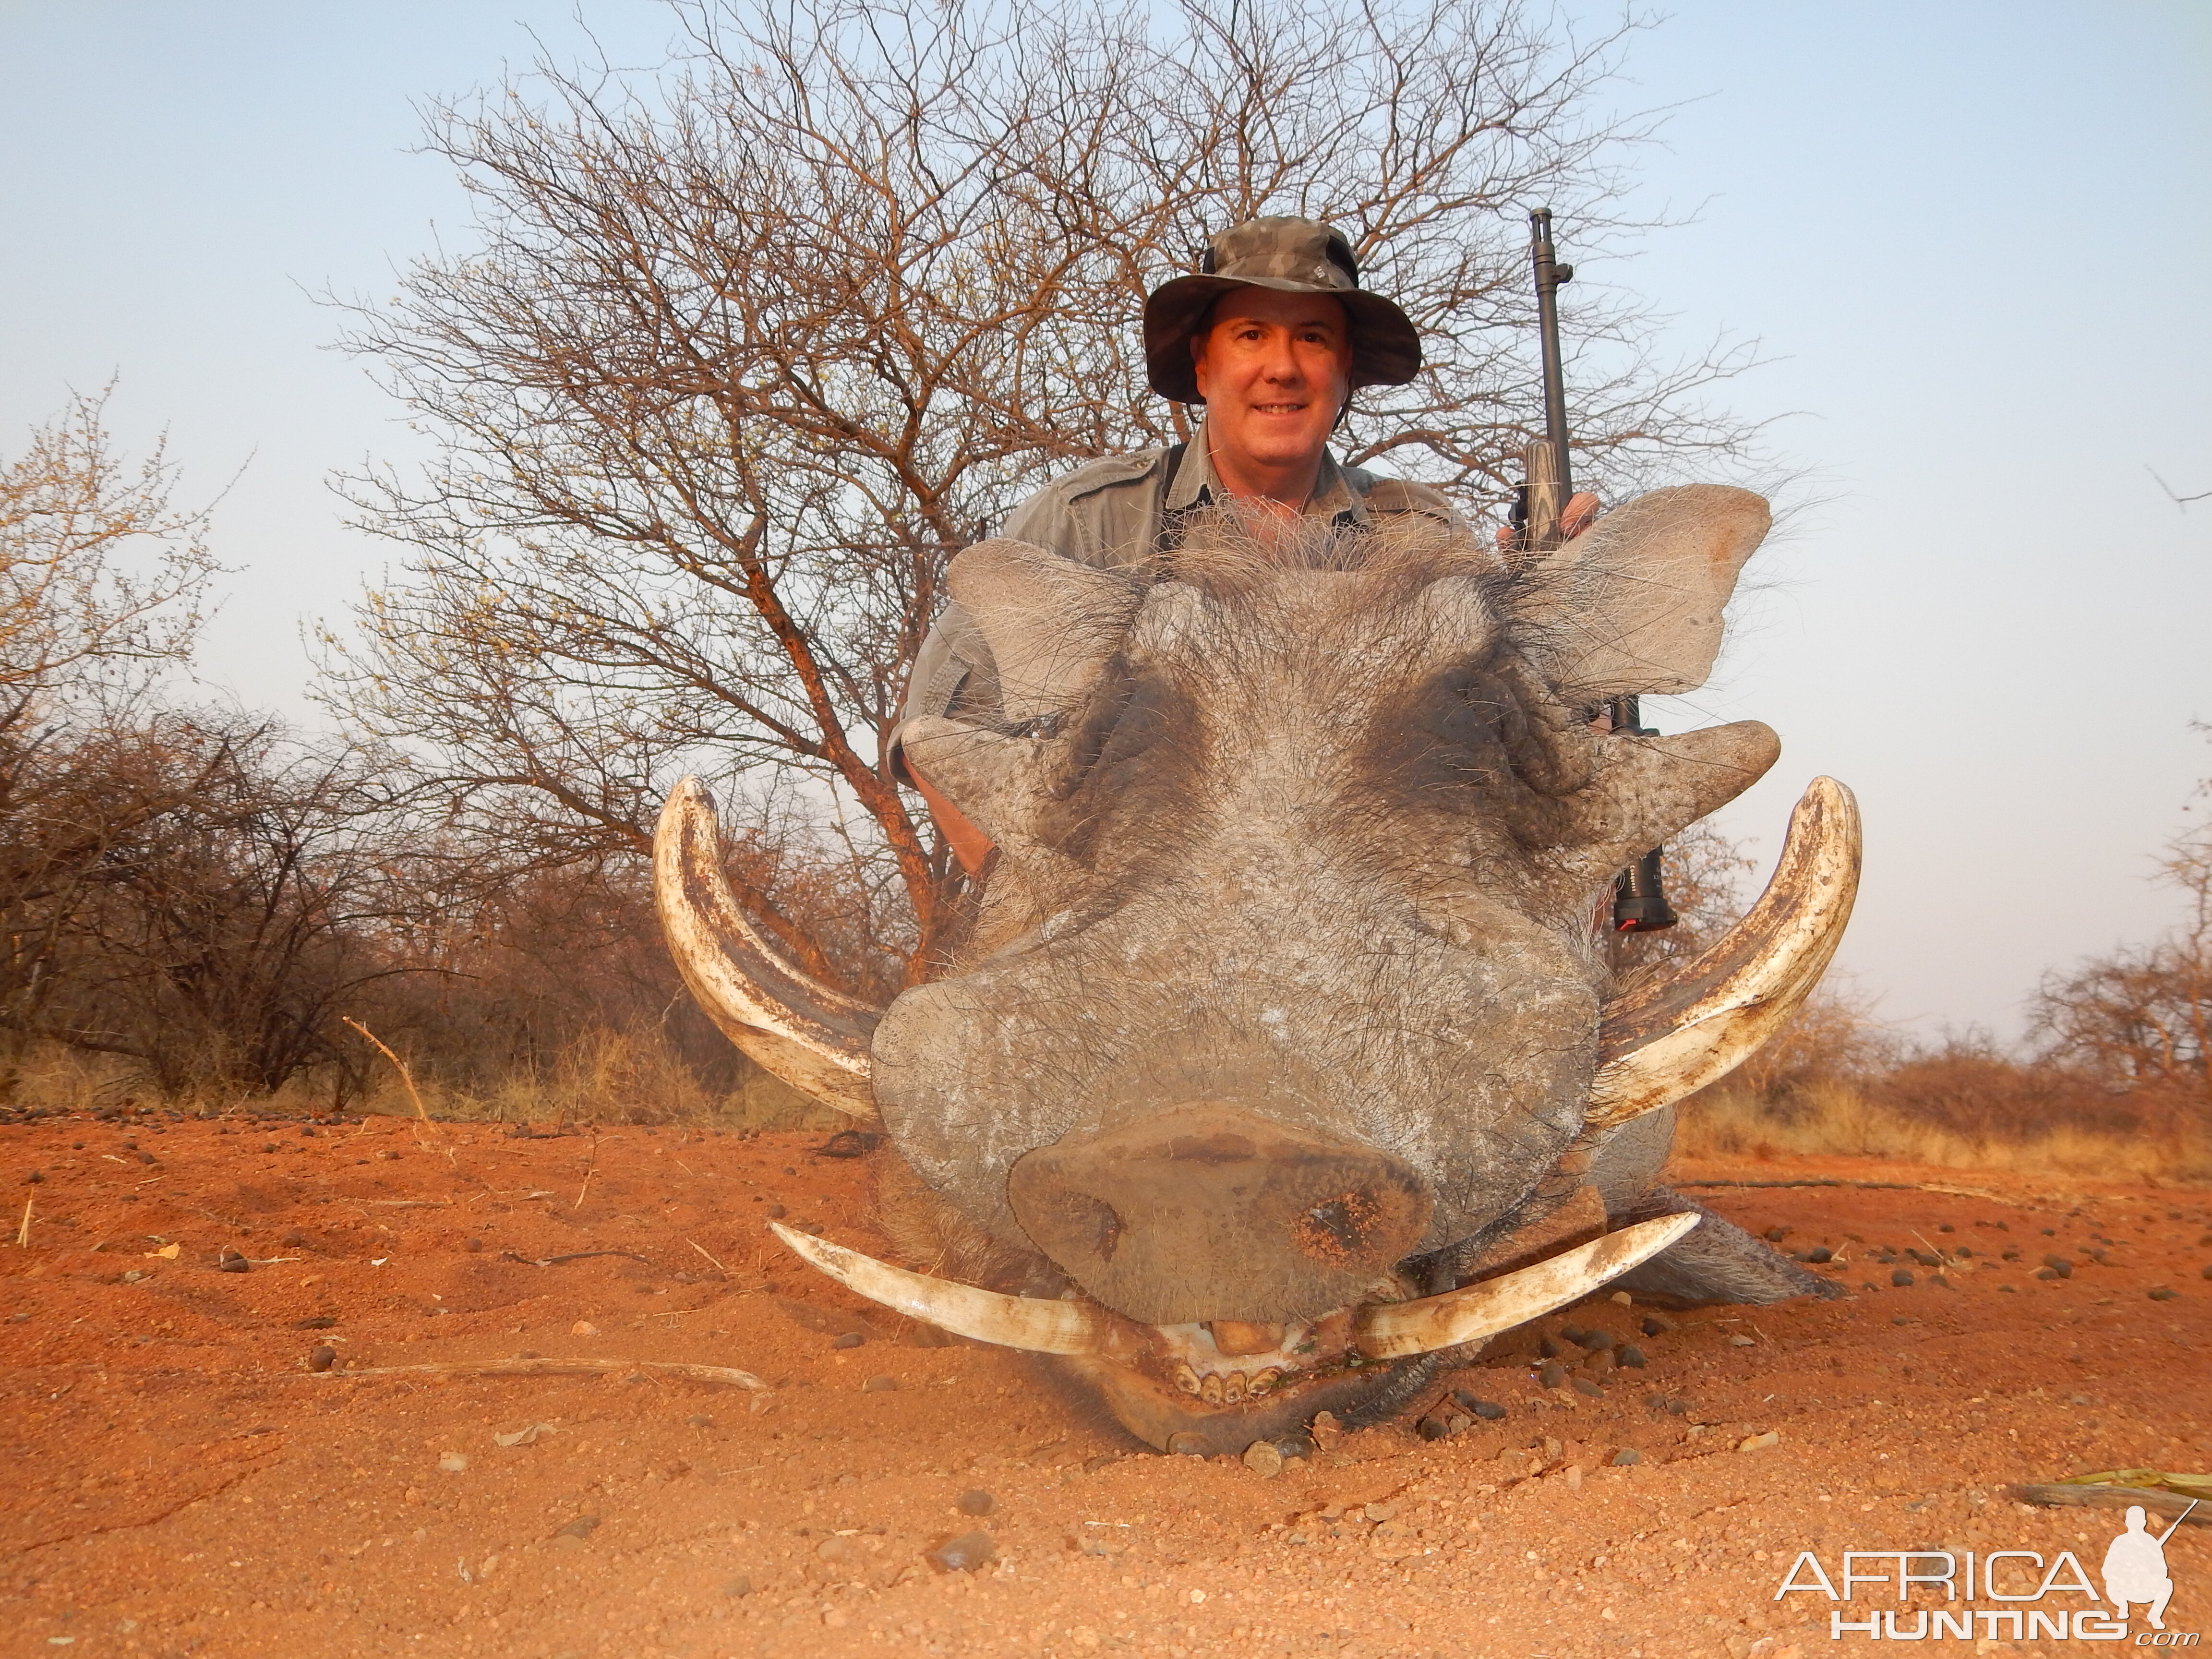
(1384, 495)
(1100, 513)
(1106, 473)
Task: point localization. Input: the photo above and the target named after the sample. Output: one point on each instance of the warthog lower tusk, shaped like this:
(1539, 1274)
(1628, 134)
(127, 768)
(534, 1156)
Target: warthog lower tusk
(1011, 1321)
(1682, 1031)
(812, 1037)
(1399, 1330)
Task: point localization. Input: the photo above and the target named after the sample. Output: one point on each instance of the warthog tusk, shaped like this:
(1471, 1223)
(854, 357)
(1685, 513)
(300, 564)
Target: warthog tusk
(1399, 1330)
(1680, 1032)
(799, 1030)
(1011, 1321)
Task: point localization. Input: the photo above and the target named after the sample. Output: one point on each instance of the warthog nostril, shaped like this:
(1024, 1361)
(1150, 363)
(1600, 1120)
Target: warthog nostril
(1086, 1222)
(1338, 1230)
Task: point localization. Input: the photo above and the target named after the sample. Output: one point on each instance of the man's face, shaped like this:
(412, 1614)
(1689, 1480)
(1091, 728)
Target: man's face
(1274, 369)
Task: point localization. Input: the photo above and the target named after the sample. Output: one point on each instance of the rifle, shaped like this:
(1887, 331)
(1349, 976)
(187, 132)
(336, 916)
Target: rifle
(1639, 900)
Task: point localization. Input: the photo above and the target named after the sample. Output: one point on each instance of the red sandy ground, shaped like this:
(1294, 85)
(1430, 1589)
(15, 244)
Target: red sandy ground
(182, 1484)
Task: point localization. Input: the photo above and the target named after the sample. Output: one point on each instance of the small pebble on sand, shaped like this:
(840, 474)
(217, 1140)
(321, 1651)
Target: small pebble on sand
(880, 1385)
(1629, 1354)
(1553, 1375)
(963, 1555)
(1265, 1459)
(1901, 1278)
(976, 1501)
(322, 1358)
(850, 1340)
(583, 1327)
(1626, 1456)
(1489, 1410)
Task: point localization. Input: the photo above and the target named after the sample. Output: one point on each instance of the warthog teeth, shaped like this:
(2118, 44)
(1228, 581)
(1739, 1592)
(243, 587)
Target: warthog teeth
(1385, 1331)
(1399, 1330)
(1011, 1321)
(1210, 1390)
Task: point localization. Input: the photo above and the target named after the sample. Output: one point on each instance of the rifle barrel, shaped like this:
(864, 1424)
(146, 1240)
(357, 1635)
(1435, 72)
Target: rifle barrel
(1550, 273)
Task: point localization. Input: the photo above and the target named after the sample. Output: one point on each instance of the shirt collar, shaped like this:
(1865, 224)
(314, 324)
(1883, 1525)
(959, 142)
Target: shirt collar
(1196, 485)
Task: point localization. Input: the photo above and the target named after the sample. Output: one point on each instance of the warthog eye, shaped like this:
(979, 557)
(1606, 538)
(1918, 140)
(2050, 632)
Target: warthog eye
(1336, 1229)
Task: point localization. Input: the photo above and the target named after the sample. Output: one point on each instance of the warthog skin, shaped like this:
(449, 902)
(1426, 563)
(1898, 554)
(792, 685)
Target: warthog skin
(1290, 944)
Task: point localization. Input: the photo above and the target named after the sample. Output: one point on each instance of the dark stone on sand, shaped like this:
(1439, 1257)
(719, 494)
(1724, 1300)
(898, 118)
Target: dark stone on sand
(963, 1555)
(1626, 1456)
(776, 1212)
(1296, 1445)
(1488, 1410)
(1901, 1277)
(1818, 1254)
(1775, 1235)
(976, 1501)
(1553, 1375)
(1654, 1323)
(1582, 1385)
(1550, 1347)
(850, 1340)
(232, 1264)
(2059, 1265)
(322, 1358)
(1433, 1427)
(1594, 1339)
(2164, 1293)
(1629, 1354)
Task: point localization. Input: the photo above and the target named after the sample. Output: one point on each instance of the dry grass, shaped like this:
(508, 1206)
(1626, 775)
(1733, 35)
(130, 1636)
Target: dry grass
(1847, 1118)
(602, 1076)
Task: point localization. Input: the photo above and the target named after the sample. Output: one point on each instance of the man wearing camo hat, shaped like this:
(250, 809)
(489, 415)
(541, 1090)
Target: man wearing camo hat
(1272, 335)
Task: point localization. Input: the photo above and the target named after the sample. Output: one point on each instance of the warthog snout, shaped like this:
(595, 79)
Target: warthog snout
(1212, 1211)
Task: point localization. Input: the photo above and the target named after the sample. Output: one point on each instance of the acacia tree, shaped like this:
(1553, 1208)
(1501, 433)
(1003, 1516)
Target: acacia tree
(2142, 1017)
(98, 569)
(744, 350)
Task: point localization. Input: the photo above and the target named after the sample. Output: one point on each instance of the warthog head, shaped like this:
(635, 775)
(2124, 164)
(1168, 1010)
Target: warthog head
(1282, 1055)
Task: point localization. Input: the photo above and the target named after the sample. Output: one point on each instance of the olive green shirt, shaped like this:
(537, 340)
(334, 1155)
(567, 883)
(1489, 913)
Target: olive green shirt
(1108, 513)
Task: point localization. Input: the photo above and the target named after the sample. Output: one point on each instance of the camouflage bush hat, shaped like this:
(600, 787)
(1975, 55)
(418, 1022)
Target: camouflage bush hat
(1296, 256)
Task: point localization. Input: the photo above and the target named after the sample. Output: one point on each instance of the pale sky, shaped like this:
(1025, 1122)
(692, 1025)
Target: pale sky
(1975, 236)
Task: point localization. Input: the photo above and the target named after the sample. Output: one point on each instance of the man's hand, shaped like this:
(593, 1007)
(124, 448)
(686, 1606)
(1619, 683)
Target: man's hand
(1581, 513)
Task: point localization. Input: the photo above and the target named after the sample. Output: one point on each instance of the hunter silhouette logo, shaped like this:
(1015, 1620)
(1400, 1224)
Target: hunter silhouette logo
(2027, 1591)
(2134, 1568)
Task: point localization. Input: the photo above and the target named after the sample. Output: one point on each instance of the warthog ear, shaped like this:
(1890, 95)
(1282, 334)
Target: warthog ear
(1634, 605)
(1050, 622)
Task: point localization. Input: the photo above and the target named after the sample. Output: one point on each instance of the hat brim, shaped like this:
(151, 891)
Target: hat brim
(1386, 347)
